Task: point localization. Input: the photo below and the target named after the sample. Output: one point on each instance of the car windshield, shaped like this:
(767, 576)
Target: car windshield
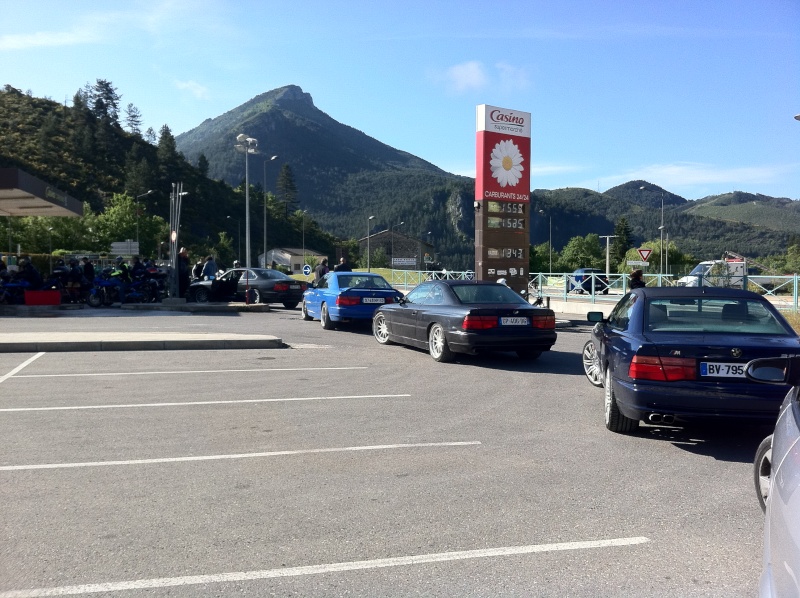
(363, 282)
(740, 316)
(486, 293)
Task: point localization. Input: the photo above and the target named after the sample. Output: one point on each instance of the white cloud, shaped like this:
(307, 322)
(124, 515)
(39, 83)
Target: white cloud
(49, 39)
(466, 76)
(512, 77)
(199, 91)
(688, 174)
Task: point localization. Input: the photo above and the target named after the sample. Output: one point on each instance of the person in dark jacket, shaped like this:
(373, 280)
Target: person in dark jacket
(321, 270)
(88, 269)
(183, 271)
(342, 266)
(637, 281)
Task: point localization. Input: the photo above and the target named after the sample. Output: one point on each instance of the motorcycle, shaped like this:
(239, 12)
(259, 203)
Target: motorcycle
(107, 288)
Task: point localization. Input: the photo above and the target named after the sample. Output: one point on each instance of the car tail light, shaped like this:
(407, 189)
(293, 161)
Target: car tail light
(390, 300)
(664, 369)
(547, 322)
(281, 287)
(347, 300)
(479, 322)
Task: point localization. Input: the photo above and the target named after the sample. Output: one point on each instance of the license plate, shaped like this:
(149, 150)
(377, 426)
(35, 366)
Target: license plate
(514, 321)
(722, 370)
(294, 286)
(373, 300)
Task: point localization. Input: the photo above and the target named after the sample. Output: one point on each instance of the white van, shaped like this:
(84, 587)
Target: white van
(716, 273)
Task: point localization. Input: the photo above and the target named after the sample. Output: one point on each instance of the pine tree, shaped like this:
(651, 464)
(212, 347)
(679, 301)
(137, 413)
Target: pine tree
(106, 101)
(287, 189)
(622, 242)
(202, 164)
(133, 119)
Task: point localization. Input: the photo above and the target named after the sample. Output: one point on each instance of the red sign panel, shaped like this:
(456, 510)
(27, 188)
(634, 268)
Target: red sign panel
(644, 253)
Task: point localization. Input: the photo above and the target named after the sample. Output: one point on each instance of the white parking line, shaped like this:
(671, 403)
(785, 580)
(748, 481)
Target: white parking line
(193, 403)
(192, 372)
(20, 367)
(380, 447)
(419, 559)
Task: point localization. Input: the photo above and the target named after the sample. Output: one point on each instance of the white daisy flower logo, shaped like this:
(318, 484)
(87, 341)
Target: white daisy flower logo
(506, 163)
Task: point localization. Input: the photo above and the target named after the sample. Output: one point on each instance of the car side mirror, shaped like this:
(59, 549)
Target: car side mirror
(595, 316)
(774, 370)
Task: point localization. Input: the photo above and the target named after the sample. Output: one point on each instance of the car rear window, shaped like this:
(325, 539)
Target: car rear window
(363, 282)
(712, 315)
(486, 293)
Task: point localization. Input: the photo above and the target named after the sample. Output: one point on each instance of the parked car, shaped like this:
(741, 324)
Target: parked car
(674, 355)
(264, 285)
(582, 280)
(776, 472)
(457, 316)
(347, 296)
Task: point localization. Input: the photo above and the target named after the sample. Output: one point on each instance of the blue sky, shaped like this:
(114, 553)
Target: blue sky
(695, 96)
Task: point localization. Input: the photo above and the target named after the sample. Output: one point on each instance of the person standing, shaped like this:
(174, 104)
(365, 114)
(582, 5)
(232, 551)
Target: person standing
(637, 281)
(88, 269)
(342, 266)
(321, 270)
(210, 268)
(183, 271)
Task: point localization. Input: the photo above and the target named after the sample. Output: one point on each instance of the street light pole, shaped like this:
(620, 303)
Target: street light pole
(50, 232)
(392, 235)
(247, 145)
(265, 208)
(368, 219)
(608, 252)
(661, 228)
(138, 197)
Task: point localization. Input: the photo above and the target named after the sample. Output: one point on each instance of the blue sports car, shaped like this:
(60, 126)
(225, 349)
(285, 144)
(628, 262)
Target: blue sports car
(674, 355)
(347, 296)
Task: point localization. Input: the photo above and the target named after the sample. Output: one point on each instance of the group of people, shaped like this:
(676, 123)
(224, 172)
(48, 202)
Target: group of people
(322, 268)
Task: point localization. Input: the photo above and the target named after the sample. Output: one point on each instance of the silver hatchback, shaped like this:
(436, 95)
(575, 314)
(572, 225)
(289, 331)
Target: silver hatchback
(776, 473)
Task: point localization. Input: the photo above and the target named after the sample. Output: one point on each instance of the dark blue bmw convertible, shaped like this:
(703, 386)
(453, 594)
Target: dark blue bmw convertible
(675, 355)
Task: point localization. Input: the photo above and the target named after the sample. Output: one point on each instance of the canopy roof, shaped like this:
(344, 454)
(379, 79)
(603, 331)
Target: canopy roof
(22, 194)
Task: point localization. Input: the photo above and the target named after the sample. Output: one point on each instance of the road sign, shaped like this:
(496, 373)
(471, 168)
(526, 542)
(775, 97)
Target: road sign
(638, 263)
(469, 274)
(644, 253)
(306, 270)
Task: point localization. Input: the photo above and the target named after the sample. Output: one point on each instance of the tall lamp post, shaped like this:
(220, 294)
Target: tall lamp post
(50, 233)
(175, 200)
(304, 237)
(265, 208)
(239, 237)
(608, 252)
(368, 220)
(246, 145)
(394, 227)
(138, 197)
(550, 241)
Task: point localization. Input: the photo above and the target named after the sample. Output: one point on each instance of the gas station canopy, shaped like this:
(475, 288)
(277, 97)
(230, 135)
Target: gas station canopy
(22, 194)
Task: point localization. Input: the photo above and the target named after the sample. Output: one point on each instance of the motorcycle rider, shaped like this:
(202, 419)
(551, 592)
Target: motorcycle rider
(122, 276)
(28, 273)
(138, 268)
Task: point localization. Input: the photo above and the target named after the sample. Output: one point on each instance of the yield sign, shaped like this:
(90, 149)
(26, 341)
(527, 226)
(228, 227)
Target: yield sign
(644, 253)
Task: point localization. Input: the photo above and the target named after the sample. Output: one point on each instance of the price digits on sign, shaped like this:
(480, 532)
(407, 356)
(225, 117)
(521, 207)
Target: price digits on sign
(506, 253)
(506, 207)
(495, 222)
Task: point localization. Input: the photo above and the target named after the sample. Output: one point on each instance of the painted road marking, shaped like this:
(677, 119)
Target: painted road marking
(419, 559)
(192, 372)
(20, 367)
(380, 447)
(193, 403)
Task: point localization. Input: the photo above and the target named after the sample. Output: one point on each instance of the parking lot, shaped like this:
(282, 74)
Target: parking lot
(338, 467)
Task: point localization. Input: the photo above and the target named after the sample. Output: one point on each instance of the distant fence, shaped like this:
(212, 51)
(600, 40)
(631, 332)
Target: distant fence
(782, 291)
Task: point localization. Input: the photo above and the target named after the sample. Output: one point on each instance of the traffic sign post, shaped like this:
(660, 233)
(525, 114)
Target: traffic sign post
(306, 270)
(644, 253)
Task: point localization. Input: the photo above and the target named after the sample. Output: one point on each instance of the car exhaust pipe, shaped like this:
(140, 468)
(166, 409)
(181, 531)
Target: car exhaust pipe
(668, 418)
(654, 418)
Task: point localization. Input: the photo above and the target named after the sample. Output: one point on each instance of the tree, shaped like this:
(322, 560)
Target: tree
(622, 242)
(583, 252)
(287, 189)
(202, 165)
(106, 101)
(133, 120)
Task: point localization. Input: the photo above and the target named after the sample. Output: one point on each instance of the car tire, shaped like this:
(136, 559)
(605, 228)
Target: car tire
(380, 329)
(437, 344)
(255, 296)
(615, 420)
(591, 364)
(762, 471)
(529, 354)
(290, 304)
(325, 318)
(304, 311)
(201, 295)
